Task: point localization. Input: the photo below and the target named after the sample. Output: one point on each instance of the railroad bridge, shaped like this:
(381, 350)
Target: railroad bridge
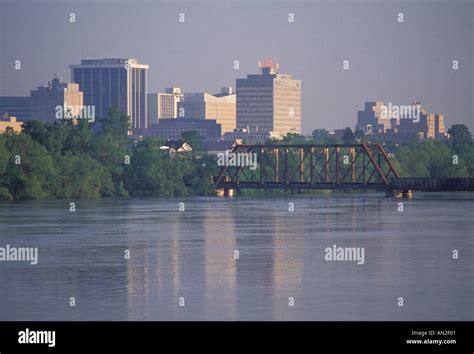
(322, 166)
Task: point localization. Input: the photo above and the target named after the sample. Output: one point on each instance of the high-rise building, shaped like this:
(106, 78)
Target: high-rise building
(202, 105)
(401, 123)
(152, 108)
(372, 119)
(164, 105)
(46, 99)
(120, 83)
(269, 102)
(16, 106)
(438, 129)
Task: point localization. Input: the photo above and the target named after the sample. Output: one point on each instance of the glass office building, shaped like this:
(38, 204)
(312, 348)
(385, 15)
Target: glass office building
(118, 83)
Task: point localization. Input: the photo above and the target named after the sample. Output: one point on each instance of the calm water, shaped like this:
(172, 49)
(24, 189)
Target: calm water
(190, 254)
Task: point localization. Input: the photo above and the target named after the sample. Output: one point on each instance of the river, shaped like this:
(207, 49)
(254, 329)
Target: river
(240, 258)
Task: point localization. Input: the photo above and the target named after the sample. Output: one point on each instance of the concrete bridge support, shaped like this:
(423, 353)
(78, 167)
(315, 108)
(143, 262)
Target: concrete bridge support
(225, 192)
(407, 194)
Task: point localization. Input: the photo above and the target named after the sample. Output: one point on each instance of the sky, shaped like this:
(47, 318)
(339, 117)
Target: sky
(390, 61)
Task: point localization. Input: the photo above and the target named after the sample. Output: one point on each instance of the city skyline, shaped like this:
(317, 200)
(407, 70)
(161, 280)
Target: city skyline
(312, 49)
(269, 103)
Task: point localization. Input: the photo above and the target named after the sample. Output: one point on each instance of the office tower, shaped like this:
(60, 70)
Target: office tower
(269, 102)
(371, 119)
(220, 106)
(400, 123)
(164, 105)
(46, 99)
(439, 128)
(152, 108)
(432, 126)
(168, 102)
(108, 83)
(15, 106)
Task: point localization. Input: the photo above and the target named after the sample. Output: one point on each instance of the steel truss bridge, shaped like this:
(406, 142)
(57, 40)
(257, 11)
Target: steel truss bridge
(316, 166)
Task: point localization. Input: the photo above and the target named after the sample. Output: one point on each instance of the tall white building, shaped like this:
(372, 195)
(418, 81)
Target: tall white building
(164, 105)
(269, 102)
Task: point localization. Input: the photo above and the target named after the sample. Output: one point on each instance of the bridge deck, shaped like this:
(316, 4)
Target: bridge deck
(300, 185)
(403, 184)
(432, 184)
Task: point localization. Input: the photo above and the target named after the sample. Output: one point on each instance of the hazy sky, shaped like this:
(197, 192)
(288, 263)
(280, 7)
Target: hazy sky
(388, 61)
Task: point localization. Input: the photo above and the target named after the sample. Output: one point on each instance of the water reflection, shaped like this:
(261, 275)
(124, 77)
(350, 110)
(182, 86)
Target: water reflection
(281, 255)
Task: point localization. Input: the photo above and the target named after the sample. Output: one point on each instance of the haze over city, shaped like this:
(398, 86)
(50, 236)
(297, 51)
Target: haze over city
(167, 163)
(388, 60)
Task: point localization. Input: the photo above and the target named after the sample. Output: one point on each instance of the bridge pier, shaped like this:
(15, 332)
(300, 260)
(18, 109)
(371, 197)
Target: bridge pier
(398, 193)
(225, 192)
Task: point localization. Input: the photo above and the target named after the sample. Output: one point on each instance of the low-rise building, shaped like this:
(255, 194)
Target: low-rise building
(10, 122)
(220, 107)
(16, 106)
(56, 100)
(218, 146)
(173, 128)
(247, 136)
(176, 146)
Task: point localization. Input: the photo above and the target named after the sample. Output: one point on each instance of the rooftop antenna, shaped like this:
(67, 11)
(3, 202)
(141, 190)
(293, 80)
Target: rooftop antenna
(59, 77)
(268, 63)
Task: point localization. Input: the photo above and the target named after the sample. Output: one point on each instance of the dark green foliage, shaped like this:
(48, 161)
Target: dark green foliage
(154, 172)
(434, 159)
(194, 139)
(67, 160)
(348, 137)
(320, 136)
(30, 172)
(460, 134)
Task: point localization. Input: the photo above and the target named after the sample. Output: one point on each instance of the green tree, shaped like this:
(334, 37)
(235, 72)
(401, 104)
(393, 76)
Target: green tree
(194, 139)
(198, 178)
(460, 134)
(293, 138)
(4, 157)
(30, 172)
(116, 124)
(153, 172)
(110, 148)
(82, 177)
(429, 159)
(465, 155)
(320, 136)
(359, 136)
(348, 136)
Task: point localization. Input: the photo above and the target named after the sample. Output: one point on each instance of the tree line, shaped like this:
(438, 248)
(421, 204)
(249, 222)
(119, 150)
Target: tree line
(425, 158)
(77, 160)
